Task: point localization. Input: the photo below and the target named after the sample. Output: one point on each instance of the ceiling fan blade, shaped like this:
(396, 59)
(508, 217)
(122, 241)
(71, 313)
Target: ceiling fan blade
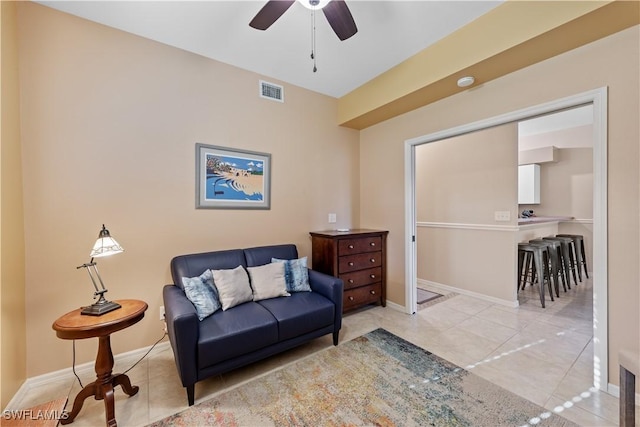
(340, 19)
(270, 13)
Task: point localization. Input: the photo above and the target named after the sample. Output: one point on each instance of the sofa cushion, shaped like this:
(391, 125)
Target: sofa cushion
(233, 286)
(202, 294)
(267, 281)
(262, 254)
(295, 274)
(301, 313)
(228, 334)
(192, 265)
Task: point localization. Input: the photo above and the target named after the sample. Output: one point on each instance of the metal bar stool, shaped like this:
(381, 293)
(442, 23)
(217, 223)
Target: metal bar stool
(536, 253)
(581, 258)
(524, 259)
(568, 262)
(548, 271)
(526, 267)
(527, 270)
(555, 258)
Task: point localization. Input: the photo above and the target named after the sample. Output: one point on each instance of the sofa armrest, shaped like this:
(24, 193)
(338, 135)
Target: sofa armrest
(331, 288)
(183, 328)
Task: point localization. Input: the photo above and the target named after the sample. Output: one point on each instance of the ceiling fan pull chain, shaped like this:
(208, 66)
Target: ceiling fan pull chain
(313, 39)
(312, 35)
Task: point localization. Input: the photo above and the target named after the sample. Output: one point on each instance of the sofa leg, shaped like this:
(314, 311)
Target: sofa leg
(191, 393)
(335, 337)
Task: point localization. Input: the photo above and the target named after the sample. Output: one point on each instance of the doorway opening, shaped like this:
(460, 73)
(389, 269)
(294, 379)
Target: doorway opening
(598, 99)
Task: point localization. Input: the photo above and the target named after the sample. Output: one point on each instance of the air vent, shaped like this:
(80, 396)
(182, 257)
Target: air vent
(271, 91)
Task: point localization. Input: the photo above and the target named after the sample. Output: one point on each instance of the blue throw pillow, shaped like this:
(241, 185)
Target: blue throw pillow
(202, 293)
(295, 274)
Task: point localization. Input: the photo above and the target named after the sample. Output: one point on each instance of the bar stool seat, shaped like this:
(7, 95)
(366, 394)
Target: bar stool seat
(581, 258)
(538, 256)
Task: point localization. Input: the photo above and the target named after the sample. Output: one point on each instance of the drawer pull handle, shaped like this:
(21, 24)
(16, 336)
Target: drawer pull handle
(373, 276)
(350, 298)
(350, 264)
(372, 260)
(350, 280)
(350, 246)
(372, 243)
(373, 292)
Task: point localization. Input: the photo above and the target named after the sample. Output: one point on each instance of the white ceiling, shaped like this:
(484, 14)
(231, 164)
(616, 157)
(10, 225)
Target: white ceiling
(571, 118)
(388, 33)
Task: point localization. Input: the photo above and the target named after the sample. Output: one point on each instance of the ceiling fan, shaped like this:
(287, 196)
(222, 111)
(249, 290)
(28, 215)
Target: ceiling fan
(336, 12)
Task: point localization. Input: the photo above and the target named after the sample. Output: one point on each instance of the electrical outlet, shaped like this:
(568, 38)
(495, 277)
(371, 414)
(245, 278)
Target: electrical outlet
(502, 215)
(332, 218)
(162, 312)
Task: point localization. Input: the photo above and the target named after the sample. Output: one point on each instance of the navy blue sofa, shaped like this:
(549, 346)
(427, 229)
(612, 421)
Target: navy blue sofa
(249, 332)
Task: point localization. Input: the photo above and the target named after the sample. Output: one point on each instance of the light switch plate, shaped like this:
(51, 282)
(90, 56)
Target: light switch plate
(332, 218)
(502, 215)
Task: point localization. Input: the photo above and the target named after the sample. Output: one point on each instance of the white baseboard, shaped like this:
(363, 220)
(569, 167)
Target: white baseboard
(396, 307)
(483, 297)
(67, 373)
(614, 390)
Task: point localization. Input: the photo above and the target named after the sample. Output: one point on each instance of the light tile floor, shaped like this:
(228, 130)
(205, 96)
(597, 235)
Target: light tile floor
(543, 355)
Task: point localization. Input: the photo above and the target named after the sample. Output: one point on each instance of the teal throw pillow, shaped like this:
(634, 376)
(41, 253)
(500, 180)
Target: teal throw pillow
(296, 274)
(202, 293)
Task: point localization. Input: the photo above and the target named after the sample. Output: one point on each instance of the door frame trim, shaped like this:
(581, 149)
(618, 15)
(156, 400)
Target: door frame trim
(599, 99)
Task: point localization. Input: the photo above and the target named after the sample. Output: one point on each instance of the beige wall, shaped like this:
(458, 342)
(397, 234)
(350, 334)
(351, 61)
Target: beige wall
(460, 183)
(566, 186)
(12, 262)
(110, 122)
(614, 62)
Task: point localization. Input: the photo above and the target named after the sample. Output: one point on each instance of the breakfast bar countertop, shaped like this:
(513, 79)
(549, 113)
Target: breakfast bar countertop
(542, 219)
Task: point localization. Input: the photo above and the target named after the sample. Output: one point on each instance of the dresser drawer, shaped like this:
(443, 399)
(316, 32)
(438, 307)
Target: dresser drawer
(362, 295)
(356, 246)
(362, 277)
(359, 262)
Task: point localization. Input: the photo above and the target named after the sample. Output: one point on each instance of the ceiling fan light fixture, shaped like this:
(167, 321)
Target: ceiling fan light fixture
(314, 4)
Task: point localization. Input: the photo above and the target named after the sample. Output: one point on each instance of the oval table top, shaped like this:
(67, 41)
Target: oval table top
(74, 325)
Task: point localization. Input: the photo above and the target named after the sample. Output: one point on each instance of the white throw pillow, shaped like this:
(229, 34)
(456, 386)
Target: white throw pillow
(233, 287)
(268, 281)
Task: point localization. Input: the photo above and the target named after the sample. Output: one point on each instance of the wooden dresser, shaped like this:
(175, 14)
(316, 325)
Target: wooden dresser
(358, 257)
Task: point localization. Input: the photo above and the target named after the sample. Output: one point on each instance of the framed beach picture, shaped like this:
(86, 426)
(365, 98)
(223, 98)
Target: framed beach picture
(228, 178)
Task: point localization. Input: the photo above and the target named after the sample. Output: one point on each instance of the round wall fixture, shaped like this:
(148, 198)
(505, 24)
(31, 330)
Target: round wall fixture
(466, 81)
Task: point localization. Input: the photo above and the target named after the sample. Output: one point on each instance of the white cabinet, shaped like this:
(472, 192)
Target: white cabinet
(529, 184)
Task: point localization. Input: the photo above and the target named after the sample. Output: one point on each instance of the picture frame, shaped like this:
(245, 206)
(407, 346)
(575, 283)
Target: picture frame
(229, 178)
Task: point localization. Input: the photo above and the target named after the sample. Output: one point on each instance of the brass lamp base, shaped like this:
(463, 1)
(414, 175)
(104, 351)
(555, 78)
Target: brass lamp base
(101, 307)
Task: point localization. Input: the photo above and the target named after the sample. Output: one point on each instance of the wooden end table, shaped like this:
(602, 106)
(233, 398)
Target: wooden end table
(74, 326)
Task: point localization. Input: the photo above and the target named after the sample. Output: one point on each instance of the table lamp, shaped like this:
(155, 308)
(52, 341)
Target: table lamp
(105, 246)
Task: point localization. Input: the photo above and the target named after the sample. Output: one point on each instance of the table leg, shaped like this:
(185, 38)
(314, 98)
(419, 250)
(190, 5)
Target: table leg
(88, 390)
(123, 381)
(102, 387)
(109, 405)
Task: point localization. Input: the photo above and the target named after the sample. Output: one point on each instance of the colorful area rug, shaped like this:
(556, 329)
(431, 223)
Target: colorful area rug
(376, 379)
